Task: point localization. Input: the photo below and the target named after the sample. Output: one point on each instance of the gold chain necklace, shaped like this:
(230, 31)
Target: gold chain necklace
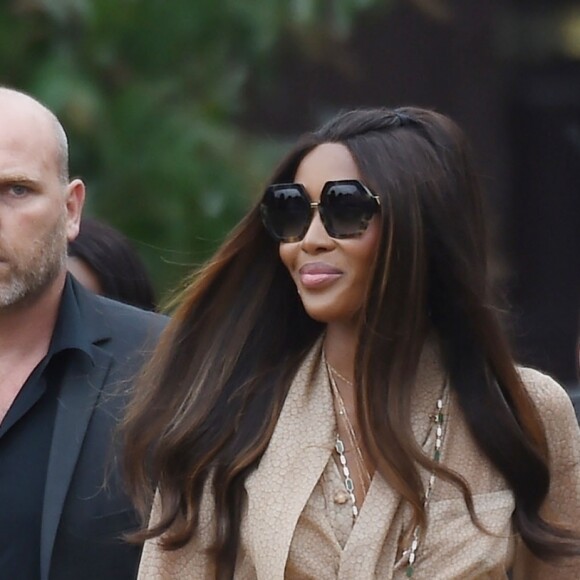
(337, 374)
(350, 429)
(438, 418)
(341, 448)
(410, 555)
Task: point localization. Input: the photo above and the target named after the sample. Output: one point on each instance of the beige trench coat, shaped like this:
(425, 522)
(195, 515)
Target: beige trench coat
(272, 537)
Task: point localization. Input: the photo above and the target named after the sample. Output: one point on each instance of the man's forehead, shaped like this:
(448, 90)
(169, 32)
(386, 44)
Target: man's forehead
(27, 131)
(21, 109)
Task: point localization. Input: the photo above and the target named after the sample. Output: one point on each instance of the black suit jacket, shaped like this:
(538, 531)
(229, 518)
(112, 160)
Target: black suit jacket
(85, 511)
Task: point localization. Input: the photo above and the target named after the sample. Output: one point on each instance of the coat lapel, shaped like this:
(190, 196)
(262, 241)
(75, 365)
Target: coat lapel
(79, 392)
(290, 468)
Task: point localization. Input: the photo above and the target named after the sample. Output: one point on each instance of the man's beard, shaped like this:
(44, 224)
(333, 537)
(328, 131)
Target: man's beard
(32, 272)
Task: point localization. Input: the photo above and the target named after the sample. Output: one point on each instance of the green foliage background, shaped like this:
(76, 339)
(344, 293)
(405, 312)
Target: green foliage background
(150, 91)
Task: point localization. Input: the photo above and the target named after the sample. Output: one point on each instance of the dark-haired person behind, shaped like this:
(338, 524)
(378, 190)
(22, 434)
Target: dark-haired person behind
(335, 397)
(104, 261)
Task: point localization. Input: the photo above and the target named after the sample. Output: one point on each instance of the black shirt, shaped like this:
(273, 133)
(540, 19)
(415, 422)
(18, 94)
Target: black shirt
(25, 438)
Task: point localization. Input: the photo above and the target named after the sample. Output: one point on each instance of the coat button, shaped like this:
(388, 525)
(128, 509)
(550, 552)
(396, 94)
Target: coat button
(340, 497)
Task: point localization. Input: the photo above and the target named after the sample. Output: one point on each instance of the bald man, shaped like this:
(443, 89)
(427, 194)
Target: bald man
(66, 359)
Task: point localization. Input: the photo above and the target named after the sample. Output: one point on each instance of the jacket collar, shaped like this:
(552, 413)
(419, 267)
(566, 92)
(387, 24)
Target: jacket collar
(70, 330)
(79, 393)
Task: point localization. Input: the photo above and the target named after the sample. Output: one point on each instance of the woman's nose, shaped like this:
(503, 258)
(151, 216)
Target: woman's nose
(316, 238)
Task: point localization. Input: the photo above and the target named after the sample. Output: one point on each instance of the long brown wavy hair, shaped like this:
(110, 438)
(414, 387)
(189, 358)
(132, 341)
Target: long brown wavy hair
(207, 405)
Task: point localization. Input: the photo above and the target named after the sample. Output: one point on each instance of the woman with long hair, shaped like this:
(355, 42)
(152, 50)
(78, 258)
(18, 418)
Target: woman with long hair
(335, 397)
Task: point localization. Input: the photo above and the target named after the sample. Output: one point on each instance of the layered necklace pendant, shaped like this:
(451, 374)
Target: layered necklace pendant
(348, 482)
(410, 554)
(339, 445)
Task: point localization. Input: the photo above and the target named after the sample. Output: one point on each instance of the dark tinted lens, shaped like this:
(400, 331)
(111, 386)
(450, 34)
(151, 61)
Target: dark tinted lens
(346, 208)
(285, 212)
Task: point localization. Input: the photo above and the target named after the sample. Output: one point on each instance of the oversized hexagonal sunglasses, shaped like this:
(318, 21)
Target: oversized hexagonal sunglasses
(346, 208)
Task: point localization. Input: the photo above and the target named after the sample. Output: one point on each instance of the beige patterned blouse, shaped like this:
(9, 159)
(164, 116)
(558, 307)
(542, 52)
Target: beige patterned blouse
(297, 525)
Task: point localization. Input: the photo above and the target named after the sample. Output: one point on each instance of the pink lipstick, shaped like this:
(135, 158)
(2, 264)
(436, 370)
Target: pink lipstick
(318, 274)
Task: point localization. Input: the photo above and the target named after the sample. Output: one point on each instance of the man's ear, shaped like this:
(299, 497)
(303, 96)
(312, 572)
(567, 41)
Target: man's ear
(75, 199)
